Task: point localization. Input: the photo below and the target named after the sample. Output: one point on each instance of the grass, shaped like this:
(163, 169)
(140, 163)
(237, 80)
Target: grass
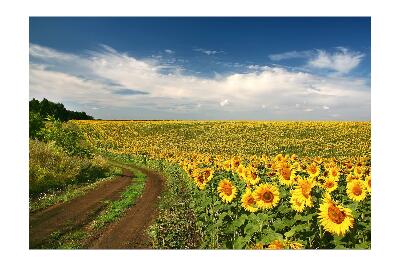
(115, 209)
(65, 195)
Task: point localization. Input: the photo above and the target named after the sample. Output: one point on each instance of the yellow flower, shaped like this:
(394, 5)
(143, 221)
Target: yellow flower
(313, 170)
(208, 173)
(318, 160)
(227, 191)
(241, 170)
(227, 165)
(334, 218)
(276, 244)
(368, 183)
(303, 190)
(330, 184)
(249, 202)
(358, 171)
(251, 176)
(296, 245)
(334, 173)
(286, 174)
(356, 190)
(199, 179)
(235, 162)
(267, 196)
(297, 204)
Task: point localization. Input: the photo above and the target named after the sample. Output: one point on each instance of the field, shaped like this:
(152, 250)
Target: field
(254, 184)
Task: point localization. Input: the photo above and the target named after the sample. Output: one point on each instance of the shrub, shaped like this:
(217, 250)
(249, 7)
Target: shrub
(68, 136)
(50, 167)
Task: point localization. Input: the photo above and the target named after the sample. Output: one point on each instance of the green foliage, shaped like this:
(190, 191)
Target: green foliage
(68, 136)
(46, 108)
(52, 168)
(36, 123)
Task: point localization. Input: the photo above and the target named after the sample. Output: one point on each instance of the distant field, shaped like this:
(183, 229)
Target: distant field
(230, 138)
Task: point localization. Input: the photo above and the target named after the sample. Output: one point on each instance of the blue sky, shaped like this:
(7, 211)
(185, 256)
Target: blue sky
(204, 68)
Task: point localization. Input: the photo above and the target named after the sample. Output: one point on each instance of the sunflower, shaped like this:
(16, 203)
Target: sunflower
(286, 174)
(267, 196)
(249, 202)
(276, 244)
(227, 165)
(334, 173)
(334, 218)
(199, 179)
(235, 162)
(318, 160)
(258, 245)
(330, 184)
(227, 191)
(368, 183)
(350, 177)
(358, 171)
(297, 205)
(208, 173)
(296, 245)
(303, 191)
(313, 170)
(251, 176)
(356, 190)
(241, 171)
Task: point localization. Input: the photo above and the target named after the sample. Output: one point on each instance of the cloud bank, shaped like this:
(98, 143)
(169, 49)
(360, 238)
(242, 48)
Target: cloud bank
(111, 84)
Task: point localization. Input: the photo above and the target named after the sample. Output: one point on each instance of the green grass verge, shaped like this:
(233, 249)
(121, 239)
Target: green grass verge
(115, 209)
(67, 194)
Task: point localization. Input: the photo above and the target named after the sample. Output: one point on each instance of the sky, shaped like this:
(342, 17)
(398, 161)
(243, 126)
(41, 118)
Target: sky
(218, 68)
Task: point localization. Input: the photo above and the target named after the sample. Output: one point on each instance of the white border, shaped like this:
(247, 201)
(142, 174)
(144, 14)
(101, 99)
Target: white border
(14, 130)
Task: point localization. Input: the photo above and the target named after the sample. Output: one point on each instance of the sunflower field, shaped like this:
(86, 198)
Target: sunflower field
(261, 185)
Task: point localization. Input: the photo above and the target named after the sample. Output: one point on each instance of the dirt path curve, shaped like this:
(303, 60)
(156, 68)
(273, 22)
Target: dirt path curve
(129, 231)
(75, 213)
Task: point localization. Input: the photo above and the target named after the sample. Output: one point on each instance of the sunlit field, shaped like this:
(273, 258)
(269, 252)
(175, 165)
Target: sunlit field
(260, 185)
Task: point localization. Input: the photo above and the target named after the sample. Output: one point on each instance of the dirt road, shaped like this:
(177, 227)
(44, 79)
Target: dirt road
(129, 231)
(66, 216)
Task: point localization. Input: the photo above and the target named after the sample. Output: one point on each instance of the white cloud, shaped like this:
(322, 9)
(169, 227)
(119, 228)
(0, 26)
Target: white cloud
(168, 51)
(224, 102)
(290, 55)
(325, 107)
(96, 78)
(207, 52)
(342, 61)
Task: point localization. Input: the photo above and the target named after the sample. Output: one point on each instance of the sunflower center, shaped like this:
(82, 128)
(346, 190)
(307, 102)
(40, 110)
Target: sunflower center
(227, 190)
(250, 201)
(334, 173)
(267, 196)
(336, 215)
(357, 190)
(200, 179)
(369, 183)
(207, 173)
(286, 173)
(306, 190)
(329, 184)
(313, 169)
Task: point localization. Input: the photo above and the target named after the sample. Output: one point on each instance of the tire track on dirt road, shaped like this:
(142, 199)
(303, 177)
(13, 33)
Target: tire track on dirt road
(76, 212)
(129, 231)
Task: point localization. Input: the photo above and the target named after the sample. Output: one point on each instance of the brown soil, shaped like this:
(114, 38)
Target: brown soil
(129, 231)
(66, 216)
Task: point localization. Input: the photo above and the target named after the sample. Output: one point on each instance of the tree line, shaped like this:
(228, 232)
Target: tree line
(47, 108)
